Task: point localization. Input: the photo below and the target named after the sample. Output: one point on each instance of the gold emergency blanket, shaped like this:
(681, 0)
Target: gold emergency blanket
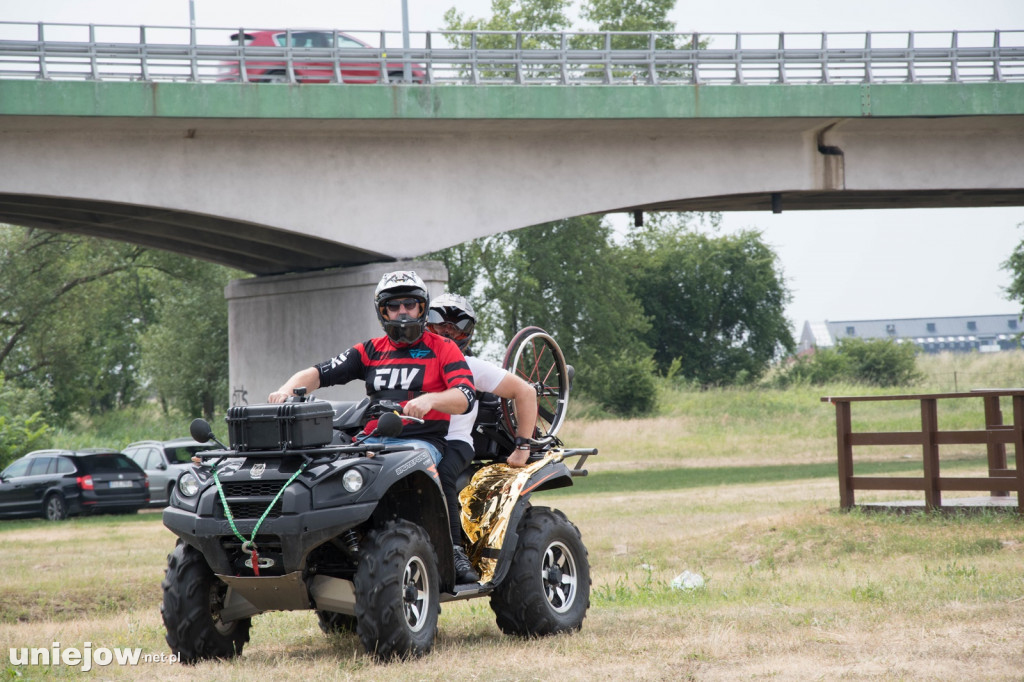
(487, 504)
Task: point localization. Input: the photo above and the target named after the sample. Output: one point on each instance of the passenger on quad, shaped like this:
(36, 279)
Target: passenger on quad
(426, 374)
(452, 316)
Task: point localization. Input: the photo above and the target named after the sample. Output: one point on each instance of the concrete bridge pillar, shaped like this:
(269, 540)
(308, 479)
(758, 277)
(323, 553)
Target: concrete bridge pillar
(280, 324)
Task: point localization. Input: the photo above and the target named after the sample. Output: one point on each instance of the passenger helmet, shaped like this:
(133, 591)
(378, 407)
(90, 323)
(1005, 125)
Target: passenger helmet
(452, 315)
(401, 285)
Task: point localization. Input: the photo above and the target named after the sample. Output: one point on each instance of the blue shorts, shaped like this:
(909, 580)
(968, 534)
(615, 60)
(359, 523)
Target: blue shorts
(435, 454)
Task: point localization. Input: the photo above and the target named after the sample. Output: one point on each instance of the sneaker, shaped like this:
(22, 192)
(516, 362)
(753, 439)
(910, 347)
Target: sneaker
(464, 572)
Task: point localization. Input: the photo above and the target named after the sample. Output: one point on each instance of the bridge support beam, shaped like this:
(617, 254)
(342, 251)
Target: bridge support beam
(278, 325)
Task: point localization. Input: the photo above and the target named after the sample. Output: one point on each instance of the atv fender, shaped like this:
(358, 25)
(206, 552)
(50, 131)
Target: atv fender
(553, 475)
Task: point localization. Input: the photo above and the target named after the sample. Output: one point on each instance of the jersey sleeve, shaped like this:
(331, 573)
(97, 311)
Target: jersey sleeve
(456, 372)
(343, 367)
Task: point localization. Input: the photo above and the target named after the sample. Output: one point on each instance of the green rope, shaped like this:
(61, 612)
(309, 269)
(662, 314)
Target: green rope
(251, 542)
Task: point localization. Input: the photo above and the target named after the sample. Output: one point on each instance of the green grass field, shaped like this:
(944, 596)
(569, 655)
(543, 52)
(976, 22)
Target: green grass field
(739, 486)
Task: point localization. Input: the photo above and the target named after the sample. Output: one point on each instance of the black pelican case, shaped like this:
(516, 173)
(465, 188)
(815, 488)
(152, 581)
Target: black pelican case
(277, 427)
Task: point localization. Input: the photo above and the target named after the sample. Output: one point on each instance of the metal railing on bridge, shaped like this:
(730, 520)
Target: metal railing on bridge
(192, 54)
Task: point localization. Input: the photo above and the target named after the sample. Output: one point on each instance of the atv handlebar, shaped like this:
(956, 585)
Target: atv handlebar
(391, 407)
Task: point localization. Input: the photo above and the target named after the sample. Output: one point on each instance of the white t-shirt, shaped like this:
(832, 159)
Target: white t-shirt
(486, 377)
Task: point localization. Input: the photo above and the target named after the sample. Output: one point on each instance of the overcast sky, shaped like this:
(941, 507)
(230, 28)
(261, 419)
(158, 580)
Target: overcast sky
(840, 265)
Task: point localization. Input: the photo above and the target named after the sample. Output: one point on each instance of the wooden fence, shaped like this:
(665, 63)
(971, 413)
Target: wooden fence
(995, 436)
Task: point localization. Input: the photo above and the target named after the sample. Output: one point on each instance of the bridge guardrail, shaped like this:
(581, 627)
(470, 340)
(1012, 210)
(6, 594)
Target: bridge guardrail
(190, 54)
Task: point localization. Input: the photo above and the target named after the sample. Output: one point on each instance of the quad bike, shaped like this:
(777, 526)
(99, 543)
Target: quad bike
(295, 515)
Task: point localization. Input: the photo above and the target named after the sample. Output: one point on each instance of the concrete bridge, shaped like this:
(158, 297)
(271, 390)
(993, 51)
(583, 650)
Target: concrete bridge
(280, 178)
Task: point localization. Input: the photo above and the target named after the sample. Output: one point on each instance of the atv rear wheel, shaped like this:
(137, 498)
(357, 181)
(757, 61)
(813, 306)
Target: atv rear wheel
(193, 599)
(397, 593)
(547, 587)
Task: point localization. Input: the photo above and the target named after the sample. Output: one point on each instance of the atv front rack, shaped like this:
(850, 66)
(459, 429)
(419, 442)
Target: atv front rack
(328, 453)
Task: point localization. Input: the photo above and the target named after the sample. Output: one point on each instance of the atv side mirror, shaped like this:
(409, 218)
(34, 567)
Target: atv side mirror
(200, 431)
(389, 425)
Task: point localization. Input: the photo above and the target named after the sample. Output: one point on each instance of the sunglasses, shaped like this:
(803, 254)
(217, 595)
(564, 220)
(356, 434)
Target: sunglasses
(410, 304)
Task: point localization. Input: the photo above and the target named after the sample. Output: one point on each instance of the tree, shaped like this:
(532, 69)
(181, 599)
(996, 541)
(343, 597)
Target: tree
(873, 362)
(22, 426)
(568, 278)
(629, 15)
(637, 16)
(716, 303)
(511, 15)
(67, 311)
(1015, 266)
(185, 352)
(73, 311)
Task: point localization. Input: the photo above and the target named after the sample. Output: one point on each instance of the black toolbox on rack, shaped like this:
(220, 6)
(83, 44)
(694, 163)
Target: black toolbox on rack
(276, 427)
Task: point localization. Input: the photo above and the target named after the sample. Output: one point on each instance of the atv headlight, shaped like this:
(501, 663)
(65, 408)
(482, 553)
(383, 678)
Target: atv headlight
(188, 484)
(352, 480)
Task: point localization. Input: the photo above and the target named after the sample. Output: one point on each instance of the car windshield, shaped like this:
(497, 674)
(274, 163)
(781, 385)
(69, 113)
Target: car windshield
(19, 468)
(106, 463)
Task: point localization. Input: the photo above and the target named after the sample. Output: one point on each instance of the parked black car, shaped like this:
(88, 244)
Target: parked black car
(56, 484)
(164, 461)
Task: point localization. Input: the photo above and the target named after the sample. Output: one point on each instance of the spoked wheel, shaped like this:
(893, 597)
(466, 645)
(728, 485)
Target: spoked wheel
(534, 357)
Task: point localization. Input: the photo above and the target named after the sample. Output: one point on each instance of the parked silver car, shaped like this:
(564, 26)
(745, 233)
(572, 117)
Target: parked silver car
(164, 461)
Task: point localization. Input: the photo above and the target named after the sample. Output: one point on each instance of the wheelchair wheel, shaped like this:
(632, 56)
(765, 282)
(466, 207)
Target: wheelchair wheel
(534, 357)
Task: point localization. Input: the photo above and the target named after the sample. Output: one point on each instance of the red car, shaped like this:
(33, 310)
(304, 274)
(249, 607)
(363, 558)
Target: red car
(358, 62)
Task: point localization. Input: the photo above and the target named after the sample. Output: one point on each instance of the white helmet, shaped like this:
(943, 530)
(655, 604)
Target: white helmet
(454, 310)
(402, 284)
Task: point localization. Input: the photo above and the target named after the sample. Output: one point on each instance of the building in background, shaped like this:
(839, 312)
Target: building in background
(982, 333)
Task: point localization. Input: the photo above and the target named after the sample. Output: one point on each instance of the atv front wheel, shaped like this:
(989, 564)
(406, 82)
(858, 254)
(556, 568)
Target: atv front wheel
(193, 599)
(397, 594)
(547, 587)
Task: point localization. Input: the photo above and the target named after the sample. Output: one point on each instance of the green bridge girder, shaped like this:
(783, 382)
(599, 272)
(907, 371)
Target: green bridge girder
(503, 102)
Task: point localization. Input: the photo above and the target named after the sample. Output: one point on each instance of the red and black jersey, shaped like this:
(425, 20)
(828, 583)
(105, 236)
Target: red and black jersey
(400, 373)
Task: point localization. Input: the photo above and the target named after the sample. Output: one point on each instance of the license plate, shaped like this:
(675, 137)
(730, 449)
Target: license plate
(120, 484)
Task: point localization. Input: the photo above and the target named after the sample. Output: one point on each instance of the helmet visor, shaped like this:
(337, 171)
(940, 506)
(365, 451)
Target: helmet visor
(449, 330)
(457, 319)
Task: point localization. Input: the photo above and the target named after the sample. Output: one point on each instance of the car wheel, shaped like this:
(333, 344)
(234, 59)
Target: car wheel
(54, 507)
(397, 592)
(547, 588)
(275, 77)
